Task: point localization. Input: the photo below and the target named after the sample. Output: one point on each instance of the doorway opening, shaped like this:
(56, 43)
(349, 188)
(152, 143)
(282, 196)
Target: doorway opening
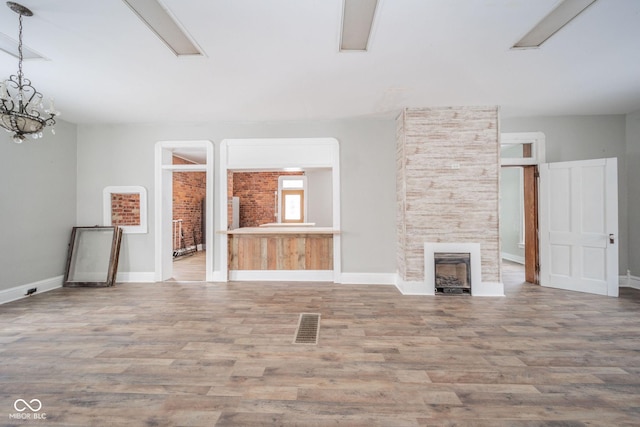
(189, 222)
(184, 219)
(520, 155)
(519, 221)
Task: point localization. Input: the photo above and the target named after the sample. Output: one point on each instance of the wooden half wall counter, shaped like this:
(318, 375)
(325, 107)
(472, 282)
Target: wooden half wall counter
(291, 248)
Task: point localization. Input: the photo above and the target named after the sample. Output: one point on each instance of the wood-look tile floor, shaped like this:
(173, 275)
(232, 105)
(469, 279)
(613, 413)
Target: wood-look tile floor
(205, 354)
(189, 268)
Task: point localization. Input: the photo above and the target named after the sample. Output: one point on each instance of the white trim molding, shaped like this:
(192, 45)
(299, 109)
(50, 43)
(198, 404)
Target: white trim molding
(538, 151)
(281, 275)
(135, 277)
(629, 281)
(368, 278)
(413, 288)
(512, 257)
(163, 194)
(19, 292)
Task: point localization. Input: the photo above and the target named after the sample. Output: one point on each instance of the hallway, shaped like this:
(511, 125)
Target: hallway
(189, 268)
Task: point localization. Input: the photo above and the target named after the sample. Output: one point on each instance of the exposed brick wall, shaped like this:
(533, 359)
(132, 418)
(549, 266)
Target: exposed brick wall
(448, 169)
(125, 209)
(256, 191)
(189, 190)
(229, 196)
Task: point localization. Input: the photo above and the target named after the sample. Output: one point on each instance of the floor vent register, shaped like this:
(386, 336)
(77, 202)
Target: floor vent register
(308, 328)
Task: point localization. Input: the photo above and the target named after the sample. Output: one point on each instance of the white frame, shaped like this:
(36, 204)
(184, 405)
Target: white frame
(537, 141)
(129, 189)
(276, 154)
(164, 169)
(305, 208)
(473, 249)
(521, 233)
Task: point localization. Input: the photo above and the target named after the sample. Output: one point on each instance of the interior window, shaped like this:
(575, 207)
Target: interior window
(292, 183)
(292, 205)
(292, 199)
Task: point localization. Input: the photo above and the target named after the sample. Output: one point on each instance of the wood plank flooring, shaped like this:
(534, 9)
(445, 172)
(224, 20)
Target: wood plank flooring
(205, 354)
(189, 268)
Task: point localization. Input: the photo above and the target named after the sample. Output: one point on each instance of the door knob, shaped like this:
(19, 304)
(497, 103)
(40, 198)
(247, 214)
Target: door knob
(612, 239)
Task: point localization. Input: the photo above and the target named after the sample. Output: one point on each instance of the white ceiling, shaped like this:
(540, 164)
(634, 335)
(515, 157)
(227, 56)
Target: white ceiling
(279, 60)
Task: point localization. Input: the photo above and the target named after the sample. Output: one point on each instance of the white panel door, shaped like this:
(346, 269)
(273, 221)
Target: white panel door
(578, 223)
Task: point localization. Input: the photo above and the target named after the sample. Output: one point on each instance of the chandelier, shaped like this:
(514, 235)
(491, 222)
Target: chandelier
(21, 106)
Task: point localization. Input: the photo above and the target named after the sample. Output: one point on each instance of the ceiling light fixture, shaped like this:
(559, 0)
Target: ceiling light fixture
(21, 109)
(164, 25)
(357, 21)
(552, 23)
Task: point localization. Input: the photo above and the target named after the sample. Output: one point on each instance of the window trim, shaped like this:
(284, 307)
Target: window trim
(141, 228)
(292, 191)
(537, 141)
(305, 197)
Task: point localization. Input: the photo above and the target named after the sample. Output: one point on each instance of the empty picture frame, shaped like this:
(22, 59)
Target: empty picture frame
(93, 256)
(125, 207)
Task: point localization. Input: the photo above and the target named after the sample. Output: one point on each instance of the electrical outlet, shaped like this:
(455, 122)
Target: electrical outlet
(31, 291)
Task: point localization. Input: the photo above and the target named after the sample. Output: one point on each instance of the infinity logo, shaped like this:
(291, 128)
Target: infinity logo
(25, 405)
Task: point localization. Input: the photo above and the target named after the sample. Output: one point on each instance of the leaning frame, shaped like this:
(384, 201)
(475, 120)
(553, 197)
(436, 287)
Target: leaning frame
(93, 256)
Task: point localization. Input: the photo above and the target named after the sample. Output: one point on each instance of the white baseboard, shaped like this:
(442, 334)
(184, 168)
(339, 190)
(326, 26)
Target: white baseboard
(488, 289)
(368, 278)
(630, 282)
(135, 277)
(218, 276)
(413, 287)
(512, 257)
(281, 275)
(18, 292)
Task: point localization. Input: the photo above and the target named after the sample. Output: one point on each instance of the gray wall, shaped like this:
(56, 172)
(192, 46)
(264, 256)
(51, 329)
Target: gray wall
(37, 205)
(633, 191)
(510, 213)
(320, 197)
(581, 138)
(124, 155)
(38, 183)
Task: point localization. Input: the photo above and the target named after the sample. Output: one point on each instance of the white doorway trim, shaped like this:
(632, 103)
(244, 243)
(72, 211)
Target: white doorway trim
(276, 154)
(513, 139)
(164, 205)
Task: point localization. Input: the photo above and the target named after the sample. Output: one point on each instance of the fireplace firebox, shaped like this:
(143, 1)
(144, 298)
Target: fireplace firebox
(452, 273)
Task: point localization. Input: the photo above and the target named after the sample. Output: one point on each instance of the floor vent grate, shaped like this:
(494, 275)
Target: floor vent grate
(308, 328)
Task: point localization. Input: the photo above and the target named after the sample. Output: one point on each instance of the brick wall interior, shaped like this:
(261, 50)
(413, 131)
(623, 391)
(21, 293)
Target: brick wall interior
(256, 191)
(125, 209)
(229, 196)
(447, 162)
(189, 191)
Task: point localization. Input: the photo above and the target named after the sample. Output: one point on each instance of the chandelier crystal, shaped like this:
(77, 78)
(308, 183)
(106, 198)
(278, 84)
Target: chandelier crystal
(22, 110)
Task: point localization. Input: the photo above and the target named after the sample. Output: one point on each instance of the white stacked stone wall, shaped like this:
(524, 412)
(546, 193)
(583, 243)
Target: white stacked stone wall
(448, 170)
